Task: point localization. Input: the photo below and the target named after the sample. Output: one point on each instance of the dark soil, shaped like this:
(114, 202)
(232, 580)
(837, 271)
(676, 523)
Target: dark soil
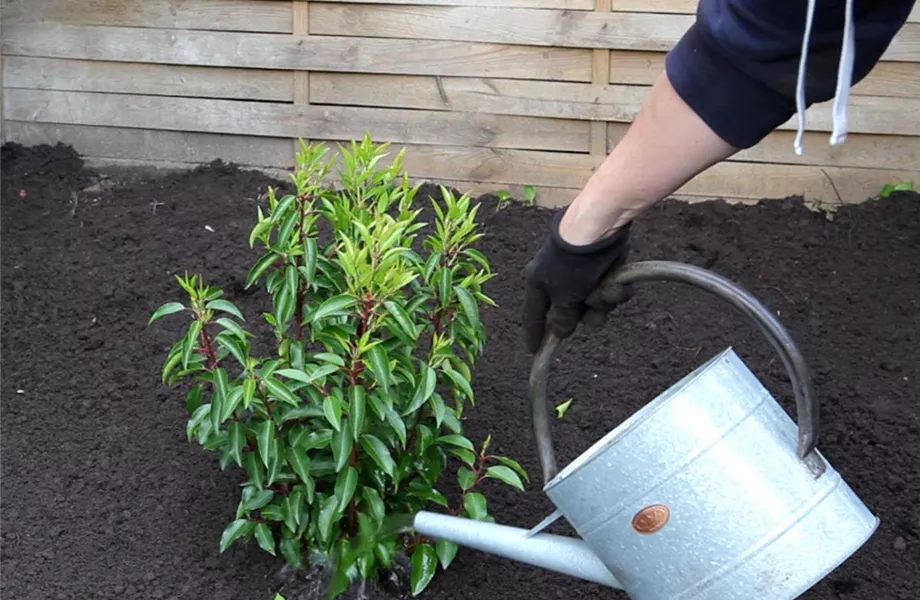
(103, 497)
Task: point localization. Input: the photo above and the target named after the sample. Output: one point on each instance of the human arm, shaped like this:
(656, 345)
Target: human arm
(733, 78)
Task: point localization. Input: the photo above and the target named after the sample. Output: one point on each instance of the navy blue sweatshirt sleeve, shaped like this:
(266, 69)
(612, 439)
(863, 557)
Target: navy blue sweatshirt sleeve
(737, 66)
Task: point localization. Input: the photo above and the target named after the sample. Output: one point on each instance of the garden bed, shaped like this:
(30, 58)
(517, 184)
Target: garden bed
(103, 497)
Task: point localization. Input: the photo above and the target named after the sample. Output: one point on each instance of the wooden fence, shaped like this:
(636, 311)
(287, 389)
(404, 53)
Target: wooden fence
(485, 94)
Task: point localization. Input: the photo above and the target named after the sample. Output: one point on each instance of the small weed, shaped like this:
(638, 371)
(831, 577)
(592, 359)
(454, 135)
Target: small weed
(890, 188)
(829, 210)
(505, 197)
(562, 408)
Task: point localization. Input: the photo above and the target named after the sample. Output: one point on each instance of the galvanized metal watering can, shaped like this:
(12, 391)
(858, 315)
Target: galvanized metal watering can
(710, 492)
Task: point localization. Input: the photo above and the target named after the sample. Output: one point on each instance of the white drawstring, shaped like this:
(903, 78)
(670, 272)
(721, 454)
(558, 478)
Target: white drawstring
(844, 79)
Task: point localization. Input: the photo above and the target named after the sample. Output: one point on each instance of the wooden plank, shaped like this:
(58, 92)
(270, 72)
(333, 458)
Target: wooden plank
(680, 7)
(228, 15)
(571, 101)
(735, 180)
(859, 151)
(301, 79)
(499, 96)
(574, 29)
(688, 7)
(599, 77)
(147, 79)
(313, 53)
(287, 120)
(906, 44)
(157, 146)
(889, 79)
(2, 114)
(118, 165)
(828, 185)
(547, 196)
(544, 4)
(499, 166)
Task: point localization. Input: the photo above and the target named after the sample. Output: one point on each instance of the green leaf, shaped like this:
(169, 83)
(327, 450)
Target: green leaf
(167, 309)
(230, 403)
(254, 469)
(380, 366)
(302, 412)
(237, 438)
(475, 505)
(258, 500)
(402, 318)
(276, 460)
(465, 455)
(333, 306)
(345, 485)
(397, 424)
(281, 391)
(201, 413)
(503, 473)
(328, 357)
(424, 565)
(374, 502)
(444, 287)
(232, 345)
(446, 552)
(264, 437)
(356, 409)
(262, 265)
(191, 339)
(342, 443)
(265, 538)
(469, 305)
(249, 391)
(466, 478)
(317, 372)
(308, 440)
(327, 517)
(231, 327)
(379, 452)
(423, 390)
(514, 465)
(234, 531)
(458, 380)
(226, 306)
(297, 458)
(290, 549)
(438, 408)
(456, 440)
(332, 408)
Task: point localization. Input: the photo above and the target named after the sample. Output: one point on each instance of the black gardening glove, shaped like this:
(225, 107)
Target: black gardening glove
(569, 284)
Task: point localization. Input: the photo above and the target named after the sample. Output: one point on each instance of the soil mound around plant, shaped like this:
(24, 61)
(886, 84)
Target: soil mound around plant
(103, 496)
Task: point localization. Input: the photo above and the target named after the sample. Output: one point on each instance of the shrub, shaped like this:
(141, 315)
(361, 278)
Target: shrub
(354, 417)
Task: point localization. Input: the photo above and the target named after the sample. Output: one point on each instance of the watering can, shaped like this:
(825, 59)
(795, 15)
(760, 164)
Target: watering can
(711, 491)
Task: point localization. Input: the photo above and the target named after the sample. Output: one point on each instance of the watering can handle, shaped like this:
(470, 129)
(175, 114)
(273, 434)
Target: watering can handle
(652, 271)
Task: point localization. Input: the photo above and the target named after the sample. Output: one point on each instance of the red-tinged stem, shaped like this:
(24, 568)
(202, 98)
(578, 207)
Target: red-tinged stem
(208, 347)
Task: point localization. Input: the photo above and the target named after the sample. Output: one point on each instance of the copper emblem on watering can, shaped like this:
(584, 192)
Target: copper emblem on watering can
(651, 518)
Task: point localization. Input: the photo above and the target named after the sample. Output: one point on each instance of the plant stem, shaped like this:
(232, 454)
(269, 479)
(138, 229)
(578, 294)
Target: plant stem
(208, 348)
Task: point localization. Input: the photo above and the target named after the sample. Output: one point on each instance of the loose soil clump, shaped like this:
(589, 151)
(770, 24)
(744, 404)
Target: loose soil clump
(104, 497)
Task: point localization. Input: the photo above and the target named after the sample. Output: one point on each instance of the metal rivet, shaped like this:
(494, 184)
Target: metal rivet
(651, 518)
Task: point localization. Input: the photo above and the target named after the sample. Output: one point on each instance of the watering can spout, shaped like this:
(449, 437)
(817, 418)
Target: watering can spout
(557, 553)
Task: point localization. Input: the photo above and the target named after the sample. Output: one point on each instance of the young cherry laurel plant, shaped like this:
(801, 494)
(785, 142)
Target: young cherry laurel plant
(354, 416)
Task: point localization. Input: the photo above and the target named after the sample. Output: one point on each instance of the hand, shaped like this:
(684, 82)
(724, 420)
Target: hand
(569, 284)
